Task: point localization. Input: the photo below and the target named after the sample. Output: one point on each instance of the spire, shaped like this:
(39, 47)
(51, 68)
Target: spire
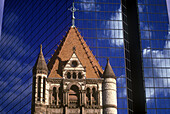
(40, 65)
(108, 72)
(73, 9)
(40, 48)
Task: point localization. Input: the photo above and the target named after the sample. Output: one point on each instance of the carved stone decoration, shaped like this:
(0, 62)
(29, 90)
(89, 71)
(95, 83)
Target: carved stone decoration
(54, 80)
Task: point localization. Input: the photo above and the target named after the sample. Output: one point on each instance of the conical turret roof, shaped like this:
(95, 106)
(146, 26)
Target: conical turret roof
(40, 65)
(108, 72)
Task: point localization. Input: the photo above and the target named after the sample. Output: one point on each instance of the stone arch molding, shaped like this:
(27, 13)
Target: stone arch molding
(91, 87)
(74, 83)
(51, 87)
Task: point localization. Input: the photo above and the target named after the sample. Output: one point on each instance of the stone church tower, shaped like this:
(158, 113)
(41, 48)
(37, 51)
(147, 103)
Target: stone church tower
(73, 82)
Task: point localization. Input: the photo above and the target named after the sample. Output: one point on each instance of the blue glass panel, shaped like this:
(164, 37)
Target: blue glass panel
(151, 111)
(121, 82)
(150, 92)
(151, 103)
(149, 82)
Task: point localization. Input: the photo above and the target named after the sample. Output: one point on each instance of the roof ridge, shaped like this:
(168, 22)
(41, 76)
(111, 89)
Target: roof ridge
(88, 56)
(59, 45)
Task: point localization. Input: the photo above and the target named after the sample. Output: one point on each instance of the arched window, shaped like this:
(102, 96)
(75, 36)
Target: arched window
(88, 96)
(39, 88)
(44, 79)
(74, 96)
(54, 96)
(80, 75)
(68, 75)
(74, 75)
(94, 96)
(60, 96)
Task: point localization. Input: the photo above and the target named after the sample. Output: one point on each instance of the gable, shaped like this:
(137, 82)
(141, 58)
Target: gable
(74, 69)
(65, 51)
(74, 63)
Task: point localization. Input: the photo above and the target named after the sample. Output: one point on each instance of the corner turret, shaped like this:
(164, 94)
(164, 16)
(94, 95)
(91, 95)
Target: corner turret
(39, 92)
(109, 90)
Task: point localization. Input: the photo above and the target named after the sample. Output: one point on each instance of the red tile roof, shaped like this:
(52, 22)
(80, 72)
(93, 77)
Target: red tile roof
(65, 51)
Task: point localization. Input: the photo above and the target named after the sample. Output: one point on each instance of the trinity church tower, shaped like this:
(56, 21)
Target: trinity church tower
(73, 82)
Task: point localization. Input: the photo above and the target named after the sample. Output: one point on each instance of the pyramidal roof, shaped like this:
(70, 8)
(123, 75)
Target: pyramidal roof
(73, 39)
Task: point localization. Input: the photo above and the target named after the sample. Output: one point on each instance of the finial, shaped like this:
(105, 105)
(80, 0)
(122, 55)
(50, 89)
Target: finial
(40, 65)
(107, 59)
(40, 48)
(73, 9)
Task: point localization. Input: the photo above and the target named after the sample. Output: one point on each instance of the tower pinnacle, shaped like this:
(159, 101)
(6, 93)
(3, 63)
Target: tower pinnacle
(108, 72)
(40, 65)
(73, 9)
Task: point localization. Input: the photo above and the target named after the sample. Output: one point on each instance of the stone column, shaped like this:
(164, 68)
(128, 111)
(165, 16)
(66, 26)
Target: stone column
(46, 94)
(71, 73)
(66, 110)
(98, 98)
(90, 96)
(64, 97)
(82, 110)
(100, 95)
(65, 100)
(36, 88)
(41, 90)
(83, 97)
(57, 97)
(83, 94)
(80, 96)
(50, 98)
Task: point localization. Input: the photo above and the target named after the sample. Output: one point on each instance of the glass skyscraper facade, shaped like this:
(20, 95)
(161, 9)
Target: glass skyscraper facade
(26, 25)
(101, 24)
(104, 26)
(155, 38)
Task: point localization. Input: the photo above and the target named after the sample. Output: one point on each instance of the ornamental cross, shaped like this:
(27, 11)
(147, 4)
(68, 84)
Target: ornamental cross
(73, 9)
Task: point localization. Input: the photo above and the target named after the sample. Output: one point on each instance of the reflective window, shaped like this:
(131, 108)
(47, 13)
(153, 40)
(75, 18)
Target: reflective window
(154, 32)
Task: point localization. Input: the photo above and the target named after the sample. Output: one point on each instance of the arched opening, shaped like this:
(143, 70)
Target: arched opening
(68, 75)
(44, 79)
(88, 96)
(60, 96)
(74, 64)
(80, 75)
(74, 75)
(74, 96)
(54, 96)
(39, 88)
(94, 96)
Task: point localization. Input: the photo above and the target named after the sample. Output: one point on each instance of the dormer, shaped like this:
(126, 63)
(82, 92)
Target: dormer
(74, 68)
